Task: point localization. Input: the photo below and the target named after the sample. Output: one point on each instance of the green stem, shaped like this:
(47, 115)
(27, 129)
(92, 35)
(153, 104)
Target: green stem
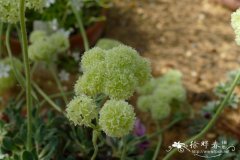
(1, 34)
(156, 153)
(81, 27)
(123, 154)
(55, 96)
(27, 74)
(45, 96)
(59, 85)
(94, 141)
(17, 75)
(212, 121)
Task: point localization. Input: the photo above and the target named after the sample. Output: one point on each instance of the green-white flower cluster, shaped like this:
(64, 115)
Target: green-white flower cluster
(82, 110)
(106, 43)
(117, 118)
(116, 72)
(158, 95)
(44, 47)
(235, 21)
(9, 9)
(7, 78)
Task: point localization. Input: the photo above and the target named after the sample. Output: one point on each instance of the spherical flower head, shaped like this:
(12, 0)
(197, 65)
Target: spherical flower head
(9, 11)
(171, 77)
(235, 22)
(37, 35)
(92, 82)
(42, 50)
(59, 41)
(36, 5)
(144, 103)
(123, 65)
(106, 43)
(120, 84)
(92, 58)
(82, 110)
(148, 88)
(117, 118)
(143, 71)
(160, 110)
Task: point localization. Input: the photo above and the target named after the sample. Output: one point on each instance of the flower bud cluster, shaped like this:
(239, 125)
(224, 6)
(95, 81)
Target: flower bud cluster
(44, 47)
(158, 95)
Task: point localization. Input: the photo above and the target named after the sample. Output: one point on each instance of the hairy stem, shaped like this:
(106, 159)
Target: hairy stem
(94, 141)
(81, 27)
(212, 121)
(27, 74)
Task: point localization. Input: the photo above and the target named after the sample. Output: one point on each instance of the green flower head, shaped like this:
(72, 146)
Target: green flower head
(92, 58)
(59, 41)
(117, 118)
(91, 83)
(158, 95)
(9, 9)
(235, 22)
(82, 110)
(106, 43)
(41, 50)
(37, 35)
(116, 72)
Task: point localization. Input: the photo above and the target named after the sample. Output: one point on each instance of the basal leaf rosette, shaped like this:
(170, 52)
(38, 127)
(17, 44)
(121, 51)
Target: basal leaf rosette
(82, 111)
(117, 118)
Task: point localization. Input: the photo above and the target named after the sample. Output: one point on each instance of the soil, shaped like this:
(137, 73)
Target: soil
(193, 36)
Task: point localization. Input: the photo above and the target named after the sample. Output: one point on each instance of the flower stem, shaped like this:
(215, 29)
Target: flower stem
(123, 154)
(94, 141)
(156, 153)
(212, 121)
(18, 76)
(1, 34)
(59, 85)
(45, 96)
(81, 27)
(27, 74)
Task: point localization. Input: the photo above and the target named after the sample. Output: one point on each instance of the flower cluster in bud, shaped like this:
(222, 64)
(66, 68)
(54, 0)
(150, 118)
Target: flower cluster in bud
(116, 72)
(82, 111)
(7, 78)
(117, 118)
(44, 47)
(106, 43)
(235, 21)
(158, 95)
(9, 9)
